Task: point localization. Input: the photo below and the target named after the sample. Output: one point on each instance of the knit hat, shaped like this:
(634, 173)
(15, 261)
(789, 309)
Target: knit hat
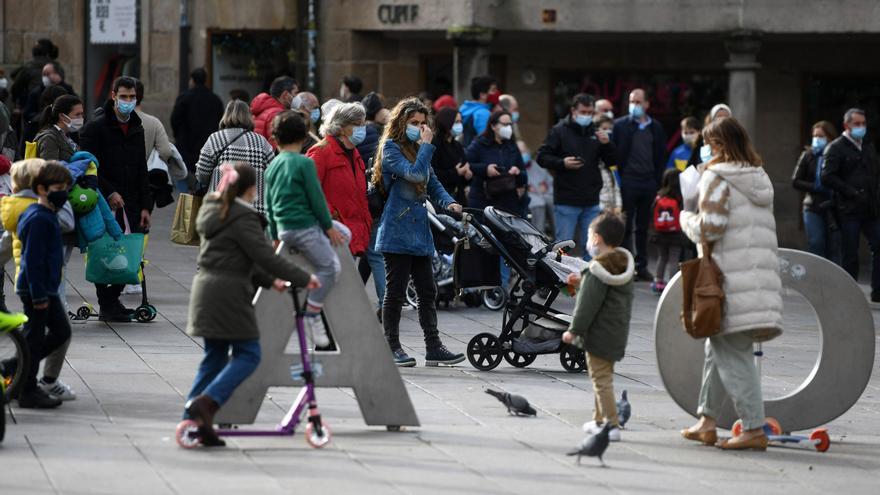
(445, 101)
(717, 108)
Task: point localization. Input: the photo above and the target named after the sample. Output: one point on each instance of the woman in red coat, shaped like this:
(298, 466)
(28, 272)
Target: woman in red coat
(341, 171)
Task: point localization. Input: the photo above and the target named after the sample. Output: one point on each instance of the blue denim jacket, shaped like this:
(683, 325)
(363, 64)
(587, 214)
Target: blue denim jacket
(404, 226)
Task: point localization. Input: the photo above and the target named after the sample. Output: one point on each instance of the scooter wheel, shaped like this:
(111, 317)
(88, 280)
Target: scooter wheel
(83, 312)
(153, 312)
(737, 428)
(187, 434)
(315, 438)
(143, 315)
(821, 434)
(773, 425)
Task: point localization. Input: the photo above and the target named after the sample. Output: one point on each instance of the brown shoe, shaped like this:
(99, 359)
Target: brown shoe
(704, 437)
(202, 410)
(757, 443)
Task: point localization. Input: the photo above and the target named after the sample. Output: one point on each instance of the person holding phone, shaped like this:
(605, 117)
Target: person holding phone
(499, 175)
(572, 150)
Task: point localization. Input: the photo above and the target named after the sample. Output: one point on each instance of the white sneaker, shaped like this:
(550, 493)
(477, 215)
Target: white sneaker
(133, 289)
(614, 434)
(319, 333)
(58, 389)
(591, 428)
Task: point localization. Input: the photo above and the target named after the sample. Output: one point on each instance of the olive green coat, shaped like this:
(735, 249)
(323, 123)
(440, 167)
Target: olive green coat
(235, 256)
(604, 305)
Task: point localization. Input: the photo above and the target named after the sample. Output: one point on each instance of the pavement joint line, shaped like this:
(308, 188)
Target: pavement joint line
(363, 465)
(569, 466)
(444, 401)
(257, 465)
(40, 463)
(90, 389)
(467, 468)
(146, 459)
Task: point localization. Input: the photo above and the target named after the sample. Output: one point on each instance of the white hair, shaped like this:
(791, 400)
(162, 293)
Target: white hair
(341, 115)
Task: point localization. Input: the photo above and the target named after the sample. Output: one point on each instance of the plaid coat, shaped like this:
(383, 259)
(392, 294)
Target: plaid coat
(248, 147)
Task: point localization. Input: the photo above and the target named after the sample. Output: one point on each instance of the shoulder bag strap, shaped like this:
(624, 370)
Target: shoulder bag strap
(219, 153)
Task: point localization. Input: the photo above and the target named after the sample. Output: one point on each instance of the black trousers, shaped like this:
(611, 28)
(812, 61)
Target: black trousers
(108, 295)
(47, 330)
(637, 204)
(398, 269)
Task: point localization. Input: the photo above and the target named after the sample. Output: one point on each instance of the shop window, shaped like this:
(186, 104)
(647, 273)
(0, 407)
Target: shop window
(248, 61)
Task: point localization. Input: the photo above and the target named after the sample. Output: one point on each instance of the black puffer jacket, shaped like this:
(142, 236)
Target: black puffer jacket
(855, 176)
(804, 180)
(122, 157)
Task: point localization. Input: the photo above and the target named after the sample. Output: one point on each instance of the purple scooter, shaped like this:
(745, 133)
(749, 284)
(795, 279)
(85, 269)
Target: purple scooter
(317, 432)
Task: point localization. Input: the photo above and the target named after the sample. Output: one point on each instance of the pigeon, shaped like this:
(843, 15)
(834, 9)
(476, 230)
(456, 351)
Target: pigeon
(594, 445)
(516, 404)
(624, 409)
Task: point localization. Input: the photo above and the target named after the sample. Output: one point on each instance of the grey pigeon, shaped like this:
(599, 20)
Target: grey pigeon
(594, 445)
(515, 404)
(624, 409)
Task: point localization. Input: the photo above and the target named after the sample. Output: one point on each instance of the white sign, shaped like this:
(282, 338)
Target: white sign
(113, 21)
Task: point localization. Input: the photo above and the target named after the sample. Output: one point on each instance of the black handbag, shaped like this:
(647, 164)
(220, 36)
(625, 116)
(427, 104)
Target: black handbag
(494, 187)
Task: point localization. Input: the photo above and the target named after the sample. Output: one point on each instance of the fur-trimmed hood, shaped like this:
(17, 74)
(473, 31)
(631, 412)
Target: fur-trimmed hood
(614, 268)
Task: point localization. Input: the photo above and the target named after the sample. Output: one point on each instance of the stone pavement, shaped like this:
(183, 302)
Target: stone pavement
(117, 437)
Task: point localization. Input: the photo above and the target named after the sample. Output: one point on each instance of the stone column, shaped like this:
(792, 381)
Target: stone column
(743, 48)
(470, 57)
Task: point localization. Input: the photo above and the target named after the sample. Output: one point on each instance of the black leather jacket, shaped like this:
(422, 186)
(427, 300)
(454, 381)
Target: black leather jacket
(804, 179)
(853, 174)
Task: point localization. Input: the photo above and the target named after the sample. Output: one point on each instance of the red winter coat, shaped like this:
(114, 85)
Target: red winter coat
(264, 108)
(345, 187)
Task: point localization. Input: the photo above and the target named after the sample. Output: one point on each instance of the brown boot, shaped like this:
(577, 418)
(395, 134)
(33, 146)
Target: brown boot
(202, 410)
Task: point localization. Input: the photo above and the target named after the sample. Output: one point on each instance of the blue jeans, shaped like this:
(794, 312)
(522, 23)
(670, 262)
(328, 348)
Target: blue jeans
(820, 240)
(567, 219)
(377, 265)
(218, 376)
(849, 232)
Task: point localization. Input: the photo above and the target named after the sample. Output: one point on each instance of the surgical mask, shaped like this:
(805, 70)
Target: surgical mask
(57, 199)
(315, 115)
(592, 248)
(74, 125)
(689, 138)
(637, 111)
(296, 102)
(583, 120)
(506, 131)
(858, 132)
(819, 144)
(125, 107)
(4, 83)
(457, 129)
(46, 81)
(609, 114)
(358, 135)
(527, 158)
(413, 132)
(705, 153)
(514, 116)
(609, 132)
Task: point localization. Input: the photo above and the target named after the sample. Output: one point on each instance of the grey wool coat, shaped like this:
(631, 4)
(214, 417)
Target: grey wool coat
(235, 256)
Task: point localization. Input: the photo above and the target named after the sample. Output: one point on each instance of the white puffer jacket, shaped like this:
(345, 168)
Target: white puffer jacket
(736, 212)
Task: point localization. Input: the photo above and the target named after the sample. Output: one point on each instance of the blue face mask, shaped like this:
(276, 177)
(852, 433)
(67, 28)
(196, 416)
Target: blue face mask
(315, 115)
(457, 129)
(413, 133)
(819, 144)
(858, 132)
(705, 153)
(583, 120)
(637, 111)
(514, 116)
(358, 135)
(527, 158)
(125, 107)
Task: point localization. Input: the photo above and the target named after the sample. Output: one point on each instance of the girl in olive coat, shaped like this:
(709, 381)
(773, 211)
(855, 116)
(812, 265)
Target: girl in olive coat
(234, 257)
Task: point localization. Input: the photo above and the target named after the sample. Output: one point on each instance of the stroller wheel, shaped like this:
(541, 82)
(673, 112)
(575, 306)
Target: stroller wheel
(411, 297)
(519, 360)
(573, 360)
(484, 351)
(494, 298)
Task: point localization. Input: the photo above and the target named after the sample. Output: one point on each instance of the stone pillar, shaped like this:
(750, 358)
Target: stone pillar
(470, 57)
(743, 48)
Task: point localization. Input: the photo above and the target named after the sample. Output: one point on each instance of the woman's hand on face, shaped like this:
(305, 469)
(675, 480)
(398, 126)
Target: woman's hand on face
(492, 170)
(427, 134)
(513, 171)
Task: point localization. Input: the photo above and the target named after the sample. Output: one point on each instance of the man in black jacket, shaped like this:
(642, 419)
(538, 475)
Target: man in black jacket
(852, 170)
(196, 115)
(116, 138)
(641, 150)
(572, 150)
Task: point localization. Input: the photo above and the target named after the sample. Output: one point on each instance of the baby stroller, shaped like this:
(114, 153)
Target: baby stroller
(530, 325)
(446, 232)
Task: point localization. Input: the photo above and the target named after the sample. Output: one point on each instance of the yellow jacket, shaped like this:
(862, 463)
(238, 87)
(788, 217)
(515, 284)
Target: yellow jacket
(11, 208)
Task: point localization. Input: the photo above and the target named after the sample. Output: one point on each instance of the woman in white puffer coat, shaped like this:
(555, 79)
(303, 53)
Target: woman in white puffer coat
(736, 214)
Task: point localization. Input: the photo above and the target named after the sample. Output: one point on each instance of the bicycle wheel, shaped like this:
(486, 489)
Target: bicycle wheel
(14, 358)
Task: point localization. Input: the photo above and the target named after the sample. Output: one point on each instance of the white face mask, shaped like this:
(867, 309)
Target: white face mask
(46, 81)
(4, 83)
(592, 248)
(74, 125)
(506, 131)
(609, 114)
(705, 153)
(689, 138)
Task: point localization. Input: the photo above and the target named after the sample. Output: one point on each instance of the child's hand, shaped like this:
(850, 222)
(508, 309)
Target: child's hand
(280, 285)
(567, 337)
(574, 279)
(314, 283)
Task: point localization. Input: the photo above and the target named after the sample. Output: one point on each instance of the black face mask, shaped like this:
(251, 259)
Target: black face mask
(58, 198)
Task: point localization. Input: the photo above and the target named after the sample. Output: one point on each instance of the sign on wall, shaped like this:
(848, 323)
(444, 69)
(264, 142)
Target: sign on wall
(113, 21)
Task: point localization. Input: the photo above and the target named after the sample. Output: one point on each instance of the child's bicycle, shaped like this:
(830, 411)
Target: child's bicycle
(144, 313)
(14, 356)
(317, 432)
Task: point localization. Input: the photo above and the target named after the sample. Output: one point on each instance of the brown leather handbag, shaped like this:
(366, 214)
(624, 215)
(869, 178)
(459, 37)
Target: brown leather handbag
(703, 298)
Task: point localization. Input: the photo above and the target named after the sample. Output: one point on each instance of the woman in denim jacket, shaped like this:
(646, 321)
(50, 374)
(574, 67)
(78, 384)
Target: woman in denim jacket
(403, 172)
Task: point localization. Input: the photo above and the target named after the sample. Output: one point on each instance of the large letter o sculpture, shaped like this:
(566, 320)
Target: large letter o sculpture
(846, 353)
